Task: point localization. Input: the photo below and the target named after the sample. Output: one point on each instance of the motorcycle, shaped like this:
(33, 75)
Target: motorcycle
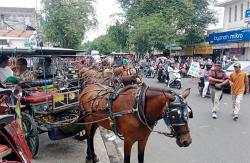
(201, 85)
(13, 146)
(149, 72)
(176, 82)
(184, 72)
(162, 76)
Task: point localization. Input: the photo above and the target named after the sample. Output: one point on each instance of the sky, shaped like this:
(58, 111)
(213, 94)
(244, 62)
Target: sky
(104, 10)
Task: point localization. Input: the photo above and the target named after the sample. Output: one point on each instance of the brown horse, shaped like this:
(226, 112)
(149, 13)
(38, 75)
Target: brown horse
(90, 76)
(133, 112)
(123, 70)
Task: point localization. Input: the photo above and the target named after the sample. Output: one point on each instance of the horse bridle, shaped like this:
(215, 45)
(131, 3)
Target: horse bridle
(177, 114)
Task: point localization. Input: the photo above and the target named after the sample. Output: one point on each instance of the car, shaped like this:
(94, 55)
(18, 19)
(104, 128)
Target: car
(245, 66)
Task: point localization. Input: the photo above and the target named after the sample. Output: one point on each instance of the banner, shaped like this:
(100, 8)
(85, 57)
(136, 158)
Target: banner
(194, 69)
(230, 36)
(203, 49)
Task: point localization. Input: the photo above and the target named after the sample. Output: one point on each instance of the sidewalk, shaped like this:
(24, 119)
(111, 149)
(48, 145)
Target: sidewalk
(68, 150)
(114, 148)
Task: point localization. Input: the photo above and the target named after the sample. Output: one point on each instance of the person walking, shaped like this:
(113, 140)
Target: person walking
(217, 78)
(239, 85)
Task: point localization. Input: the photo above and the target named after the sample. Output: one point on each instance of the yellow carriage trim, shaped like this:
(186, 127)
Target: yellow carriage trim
(59, 97)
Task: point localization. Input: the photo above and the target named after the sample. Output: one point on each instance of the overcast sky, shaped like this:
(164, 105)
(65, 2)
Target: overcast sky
(104, 10)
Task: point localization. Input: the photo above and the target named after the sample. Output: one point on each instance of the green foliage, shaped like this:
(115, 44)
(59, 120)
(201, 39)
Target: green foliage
(151, 32)
(184, 21)
(197, 22)
(67, 21)
(104, 44)
(119, 34)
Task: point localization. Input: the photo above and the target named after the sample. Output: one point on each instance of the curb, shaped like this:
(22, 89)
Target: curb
(101, 151)
(114, 152)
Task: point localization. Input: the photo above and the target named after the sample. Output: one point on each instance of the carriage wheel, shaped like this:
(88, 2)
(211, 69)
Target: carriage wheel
(31, 133)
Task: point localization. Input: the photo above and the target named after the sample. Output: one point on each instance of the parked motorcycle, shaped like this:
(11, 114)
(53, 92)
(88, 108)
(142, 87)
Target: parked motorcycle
(13, 146)
(176, 82)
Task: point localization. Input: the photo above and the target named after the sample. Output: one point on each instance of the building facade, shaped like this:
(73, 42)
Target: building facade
(17, 18)
(233, 40)
(16, 25)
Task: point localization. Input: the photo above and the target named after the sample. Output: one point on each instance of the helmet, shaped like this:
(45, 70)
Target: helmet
(218, 63)
(209, 65)
(202, 64)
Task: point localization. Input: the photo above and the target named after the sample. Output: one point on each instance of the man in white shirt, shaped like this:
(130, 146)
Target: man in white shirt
(5, 70)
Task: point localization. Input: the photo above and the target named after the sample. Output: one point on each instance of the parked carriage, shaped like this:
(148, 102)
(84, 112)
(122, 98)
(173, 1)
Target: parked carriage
(50, 103)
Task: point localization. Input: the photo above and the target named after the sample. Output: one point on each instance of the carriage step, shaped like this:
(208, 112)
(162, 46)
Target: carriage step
(4, 151)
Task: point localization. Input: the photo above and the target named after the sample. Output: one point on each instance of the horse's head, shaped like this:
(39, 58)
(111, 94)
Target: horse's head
(136, 79)
(177, 118)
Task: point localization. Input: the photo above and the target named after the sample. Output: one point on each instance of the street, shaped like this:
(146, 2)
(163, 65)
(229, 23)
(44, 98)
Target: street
(214, 141)
(68, 150)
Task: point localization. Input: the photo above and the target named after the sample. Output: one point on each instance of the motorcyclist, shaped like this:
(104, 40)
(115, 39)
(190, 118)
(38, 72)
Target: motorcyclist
(160, 71)
(171, 69)
(207, 68)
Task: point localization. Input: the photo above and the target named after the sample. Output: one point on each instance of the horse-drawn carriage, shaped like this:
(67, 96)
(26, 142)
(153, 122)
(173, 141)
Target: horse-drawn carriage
(50, 103)
(55, 105)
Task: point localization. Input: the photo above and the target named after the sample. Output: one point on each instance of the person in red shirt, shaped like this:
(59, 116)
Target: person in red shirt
(217, 78)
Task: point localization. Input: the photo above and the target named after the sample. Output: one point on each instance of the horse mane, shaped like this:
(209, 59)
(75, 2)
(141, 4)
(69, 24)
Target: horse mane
(161, 90)
(169, 93)
(128, 87)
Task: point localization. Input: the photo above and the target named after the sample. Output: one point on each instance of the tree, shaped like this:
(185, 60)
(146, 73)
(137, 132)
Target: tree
(151, 32)
(104, 44)
(119, 34)
(189, 18)
(201, 16)
(67, 21)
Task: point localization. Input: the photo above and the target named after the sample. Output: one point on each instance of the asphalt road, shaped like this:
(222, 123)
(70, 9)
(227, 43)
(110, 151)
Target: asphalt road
(214, 141)
(68, 150)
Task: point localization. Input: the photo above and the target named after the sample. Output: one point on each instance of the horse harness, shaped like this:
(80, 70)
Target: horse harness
(177, 113)
(175, 116)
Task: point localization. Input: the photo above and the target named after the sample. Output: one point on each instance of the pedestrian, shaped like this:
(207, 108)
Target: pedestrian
(217, 78)
(239, 84)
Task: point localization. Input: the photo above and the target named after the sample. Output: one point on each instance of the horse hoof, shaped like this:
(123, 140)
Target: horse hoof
(88, 161)
(96, 159)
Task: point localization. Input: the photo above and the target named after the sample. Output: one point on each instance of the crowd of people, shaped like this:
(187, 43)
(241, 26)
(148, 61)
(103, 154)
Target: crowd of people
(212, 74)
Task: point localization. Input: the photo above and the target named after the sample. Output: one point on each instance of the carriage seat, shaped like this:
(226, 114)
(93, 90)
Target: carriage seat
(38, 97)
(5, 91)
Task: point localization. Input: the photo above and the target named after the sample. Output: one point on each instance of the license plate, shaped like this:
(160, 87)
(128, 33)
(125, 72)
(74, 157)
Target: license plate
(59, 98)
